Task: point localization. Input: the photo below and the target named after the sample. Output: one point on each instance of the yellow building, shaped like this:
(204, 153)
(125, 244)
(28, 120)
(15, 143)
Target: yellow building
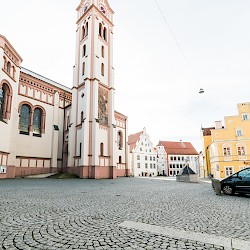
(226, 148)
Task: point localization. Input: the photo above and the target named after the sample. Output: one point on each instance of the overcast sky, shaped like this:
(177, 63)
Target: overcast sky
(155, 87)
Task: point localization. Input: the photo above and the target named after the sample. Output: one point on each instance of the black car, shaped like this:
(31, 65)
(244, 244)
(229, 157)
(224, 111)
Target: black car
(237, 183)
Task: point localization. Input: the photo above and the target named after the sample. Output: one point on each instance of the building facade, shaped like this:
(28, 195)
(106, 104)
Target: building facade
(142, 155)
(226, 147)
(179, 155)
(46, 127)
(162, 168)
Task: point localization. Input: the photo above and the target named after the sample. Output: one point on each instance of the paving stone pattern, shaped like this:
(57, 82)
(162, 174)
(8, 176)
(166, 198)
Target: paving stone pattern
(85, 214)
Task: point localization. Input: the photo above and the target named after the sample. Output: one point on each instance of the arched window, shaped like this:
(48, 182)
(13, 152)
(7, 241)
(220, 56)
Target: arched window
(8, 67)
(84, 50)
(13, 71)
(120, 140)
(37, 122)
(5, 101)
(83, 32)
(103, 51)
(102, 69)
(2, 101)
(24, 123)
(100, 29)
(105, 34)
(87, 29)
(83, 68)
(120, 159)
(102, 149)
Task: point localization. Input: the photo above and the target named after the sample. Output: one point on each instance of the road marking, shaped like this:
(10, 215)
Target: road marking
(227, 243)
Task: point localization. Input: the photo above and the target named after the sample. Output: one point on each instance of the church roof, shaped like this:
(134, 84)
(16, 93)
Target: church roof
(132, 139)
(44, 79)
(178, 148)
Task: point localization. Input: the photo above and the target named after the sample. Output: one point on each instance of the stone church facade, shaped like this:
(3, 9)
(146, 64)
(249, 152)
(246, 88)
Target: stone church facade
(46, 127)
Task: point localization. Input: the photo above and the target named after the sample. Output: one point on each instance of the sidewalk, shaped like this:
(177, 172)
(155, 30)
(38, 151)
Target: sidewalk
(171, 178)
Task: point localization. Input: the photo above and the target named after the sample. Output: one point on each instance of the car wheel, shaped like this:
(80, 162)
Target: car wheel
(228, 189)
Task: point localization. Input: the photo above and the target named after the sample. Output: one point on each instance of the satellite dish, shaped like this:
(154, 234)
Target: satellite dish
(201, 91)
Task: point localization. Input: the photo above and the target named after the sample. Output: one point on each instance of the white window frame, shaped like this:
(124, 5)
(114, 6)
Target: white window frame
(245, 117)
(228, 152)
(242, 150)
(227, 168)
(239, 132)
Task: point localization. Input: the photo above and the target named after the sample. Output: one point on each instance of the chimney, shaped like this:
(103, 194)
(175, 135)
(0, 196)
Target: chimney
(218, 125)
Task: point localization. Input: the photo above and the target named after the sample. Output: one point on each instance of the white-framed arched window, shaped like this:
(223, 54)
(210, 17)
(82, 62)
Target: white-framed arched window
(5, 100)
(25, 119)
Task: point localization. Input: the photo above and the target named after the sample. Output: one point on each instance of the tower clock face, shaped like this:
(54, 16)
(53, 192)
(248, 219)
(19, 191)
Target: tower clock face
(103, 9)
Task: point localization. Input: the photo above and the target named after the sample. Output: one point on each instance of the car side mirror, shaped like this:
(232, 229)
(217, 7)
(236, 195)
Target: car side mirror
(240, 177)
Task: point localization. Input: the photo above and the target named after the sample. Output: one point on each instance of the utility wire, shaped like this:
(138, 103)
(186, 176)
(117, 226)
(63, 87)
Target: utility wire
(176, 41)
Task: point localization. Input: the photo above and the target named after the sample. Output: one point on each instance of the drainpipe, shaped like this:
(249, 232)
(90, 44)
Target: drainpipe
(64, 112)
(126, 151)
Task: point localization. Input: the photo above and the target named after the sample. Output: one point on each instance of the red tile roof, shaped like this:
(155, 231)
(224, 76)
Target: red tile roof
(132, 139)
(178, 148)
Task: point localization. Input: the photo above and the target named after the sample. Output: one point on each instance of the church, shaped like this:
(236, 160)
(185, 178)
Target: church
(46, 127)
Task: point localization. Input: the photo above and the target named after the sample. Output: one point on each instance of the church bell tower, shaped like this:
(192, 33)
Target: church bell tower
(92, 130)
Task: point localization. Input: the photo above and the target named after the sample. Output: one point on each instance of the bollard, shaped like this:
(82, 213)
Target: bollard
(217, 186)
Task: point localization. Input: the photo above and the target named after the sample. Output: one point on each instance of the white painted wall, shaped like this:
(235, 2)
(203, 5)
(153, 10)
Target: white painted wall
(143, 154)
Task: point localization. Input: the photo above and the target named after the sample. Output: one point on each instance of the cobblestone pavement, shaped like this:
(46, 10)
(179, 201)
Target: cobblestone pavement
(85, 214)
